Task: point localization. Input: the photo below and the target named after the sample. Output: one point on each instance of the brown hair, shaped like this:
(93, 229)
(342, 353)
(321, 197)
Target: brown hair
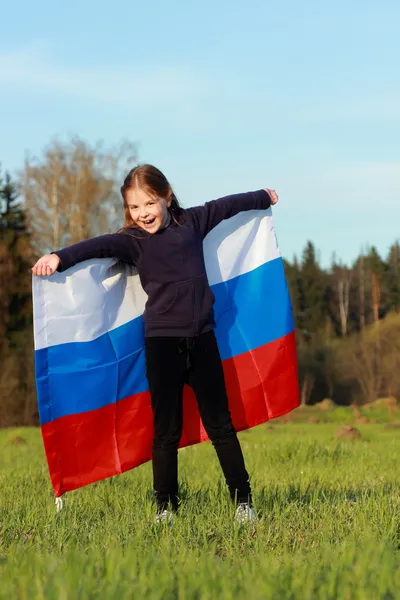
(153, 182)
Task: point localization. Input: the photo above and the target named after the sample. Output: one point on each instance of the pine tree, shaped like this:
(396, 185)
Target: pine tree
(12, 216)
(16, 347)
(15, 256)
(313, 293)
(292, 272)
(377, 284)
(393, 277)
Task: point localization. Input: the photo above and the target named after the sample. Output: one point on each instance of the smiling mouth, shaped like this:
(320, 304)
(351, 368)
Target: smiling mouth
(149, 221)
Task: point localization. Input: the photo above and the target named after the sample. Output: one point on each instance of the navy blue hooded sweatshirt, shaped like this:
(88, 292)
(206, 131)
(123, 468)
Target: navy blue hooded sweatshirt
(170, 264)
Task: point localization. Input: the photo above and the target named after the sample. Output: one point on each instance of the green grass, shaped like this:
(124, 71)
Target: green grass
(329, 527)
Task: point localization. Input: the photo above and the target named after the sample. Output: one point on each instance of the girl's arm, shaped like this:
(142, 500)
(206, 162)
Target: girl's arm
(118, 245)
(208, 216)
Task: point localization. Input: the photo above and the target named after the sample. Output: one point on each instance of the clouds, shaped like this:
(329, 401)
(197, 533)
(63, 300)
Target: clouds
(355, 187)
(365, 184)
(133, 87)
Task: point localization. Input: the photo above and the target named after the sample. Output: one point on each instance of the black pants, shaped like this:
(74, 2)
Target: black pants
(170, 363)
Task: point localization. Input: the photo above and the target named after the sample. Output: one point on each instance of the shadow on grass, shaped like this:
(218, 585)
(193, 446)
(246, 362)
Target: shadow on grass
(268, 498)
(314, 493)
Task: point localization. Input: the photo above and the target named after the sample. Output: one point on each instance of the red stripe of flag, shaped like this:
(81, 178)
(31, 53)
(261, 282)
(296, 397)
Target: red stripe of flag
(262, 384)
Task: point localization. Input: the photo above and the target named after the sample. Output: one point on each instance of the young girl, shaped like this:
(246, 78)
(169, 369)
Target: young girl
(165, 243)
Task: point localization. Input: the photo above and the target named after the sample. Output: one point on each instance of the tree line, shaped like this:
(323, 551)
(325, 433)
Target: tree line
(347, 316)
(347, 325)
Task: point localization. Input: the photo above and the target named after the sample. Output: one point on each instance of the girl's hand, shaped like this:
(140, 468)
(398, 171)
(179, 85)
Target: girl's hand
(47, 265)
(273, 195)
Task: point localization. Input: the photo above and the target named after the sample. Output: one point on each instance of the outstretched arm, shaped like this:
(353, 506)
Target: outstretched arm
(118, 245)
(212, 213)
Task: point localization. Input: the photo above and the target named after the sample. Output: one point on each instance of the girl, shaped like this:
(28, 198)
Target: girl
(165, 243)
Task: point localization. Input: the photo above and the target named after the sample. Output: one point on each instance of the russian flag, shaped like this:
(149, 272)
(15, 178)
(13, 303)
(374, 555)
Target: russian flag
(94, 403)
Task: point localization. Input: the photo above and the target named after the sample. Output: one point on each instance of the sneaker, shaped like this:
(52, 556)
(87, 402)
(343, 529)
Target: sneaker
(165, 517)
(245, 513)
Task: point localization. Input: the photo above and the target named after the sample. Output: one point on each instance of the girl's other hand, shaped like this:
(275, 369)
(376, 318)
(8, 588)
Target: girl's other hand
(47, 265)
(273, 195)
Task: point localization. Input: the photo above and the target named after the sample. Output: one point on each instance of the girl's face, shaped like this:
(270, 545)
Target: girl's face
(148, 213)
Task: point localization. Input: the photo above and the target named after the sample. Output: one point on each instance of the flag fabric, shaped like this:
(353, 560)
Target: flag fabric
(94, 403)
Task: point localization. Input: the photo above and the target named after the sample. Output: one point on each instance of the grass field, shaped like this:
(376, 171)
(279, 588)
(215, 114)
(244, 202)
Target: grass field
(329, 522)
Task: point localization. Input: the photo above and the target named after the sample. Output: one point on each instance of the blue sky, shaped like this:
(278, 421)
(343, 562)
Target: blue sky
(303, 97)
